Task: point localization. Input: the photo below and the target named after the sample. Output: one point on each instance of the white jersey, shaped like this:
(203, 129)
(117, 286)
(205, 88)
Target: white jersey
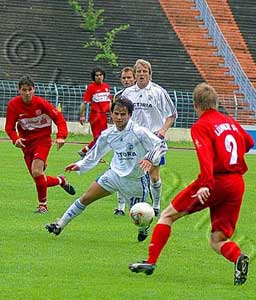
(130, 146)
(152, 105)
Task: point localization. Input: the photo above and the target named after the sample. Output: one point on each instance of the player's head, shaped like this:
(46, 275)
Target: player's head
(127, 76)
(121, 111)
(121, 101)
(26, 80)
(98, 74)
(26, 88)
(205, 97)
(143, 72)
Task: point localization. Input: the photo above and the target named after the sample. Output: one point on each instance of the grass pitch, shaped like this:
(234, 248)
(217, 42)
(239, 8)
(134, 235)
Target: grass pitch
(89, 259)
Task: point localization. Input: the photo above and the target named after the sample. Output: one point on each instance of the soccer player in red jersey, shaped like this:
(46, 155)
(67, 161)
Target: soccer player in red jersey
(221, 144)
(28, 124)
(98, 95)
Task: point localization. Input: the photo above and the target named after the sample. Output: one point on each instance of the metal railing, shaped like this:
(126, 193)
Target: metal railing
(69, 97)
(241, 79)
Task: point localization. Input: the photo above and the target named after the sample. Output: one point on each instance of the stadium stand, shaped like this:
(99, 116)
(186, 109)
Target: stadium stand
(53, 30)
(185, 19)
(46, 41)
(244, 13)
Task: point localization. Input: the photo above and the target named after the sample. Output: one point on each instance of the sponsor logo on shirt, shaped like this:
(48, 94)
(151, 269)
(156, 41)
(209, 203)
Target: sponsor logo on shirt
(142, 105)
(126, 155)
(35, 122)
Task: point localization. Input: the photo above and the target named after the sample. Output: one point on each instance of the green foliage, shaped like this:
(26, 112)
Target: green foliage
(89, 259)
(92, 19)
(107, 53)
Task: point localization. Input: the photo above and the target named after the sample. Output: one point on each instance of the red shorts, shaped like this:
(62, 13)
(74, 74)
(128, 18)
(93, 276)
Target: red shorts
(98, 122)
(224, 202)
(37, 149)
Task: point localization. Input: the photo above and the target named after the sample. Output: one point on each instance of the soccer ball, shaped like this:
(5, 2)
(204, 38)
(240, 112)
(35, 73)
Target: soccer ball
(142, 214)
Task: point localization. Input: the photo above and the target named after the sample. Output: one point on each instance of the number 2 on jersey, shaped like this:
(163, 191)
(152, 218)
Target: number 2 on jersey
(231, 147)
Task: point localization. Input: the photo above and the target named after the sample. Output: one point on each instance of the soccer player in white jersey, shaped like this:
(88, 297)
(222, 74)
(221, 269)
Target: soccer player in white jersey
(136, 150)
(127, 78)
(153, 109)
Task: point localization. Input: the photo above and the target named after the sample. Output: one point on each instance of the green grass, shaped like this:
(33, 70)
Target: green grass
(89, 259)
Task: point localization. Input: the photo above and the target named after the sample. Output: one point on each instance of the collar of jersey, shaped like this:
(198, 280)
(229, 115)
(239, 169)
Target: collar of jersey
(145, 88)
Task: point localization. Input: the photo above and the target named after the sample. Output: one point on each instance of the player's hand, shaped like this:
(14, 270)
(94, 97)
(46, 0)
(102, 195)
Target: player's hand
(145, 165)
(82, 120)
(202, 194)
(60, 143)
(72, 167)
(19, 143)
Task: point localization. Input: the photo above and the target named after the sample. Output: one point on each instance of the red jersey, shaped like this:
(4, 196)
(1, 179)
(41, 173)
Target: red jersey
(33, 120)
(220, 145)
(99, 97)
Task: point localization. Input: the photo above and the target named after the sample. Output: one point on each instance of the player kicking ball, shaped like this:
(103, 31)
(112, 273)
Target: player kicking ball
(135, 149)
(221, 144)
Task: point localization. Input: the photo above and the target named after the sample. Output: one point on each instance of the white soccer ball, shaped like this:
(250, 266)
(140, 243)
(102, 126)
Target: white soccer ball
(142, 214)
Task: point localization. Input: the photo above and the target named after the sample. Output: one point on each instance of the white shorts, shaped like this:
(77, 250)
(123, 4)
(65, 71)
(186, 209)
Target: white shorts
(134, 190)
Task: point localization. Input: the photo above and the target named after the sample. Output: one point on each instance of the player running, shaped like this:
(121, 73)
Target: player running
(221, 144)
(33, 116)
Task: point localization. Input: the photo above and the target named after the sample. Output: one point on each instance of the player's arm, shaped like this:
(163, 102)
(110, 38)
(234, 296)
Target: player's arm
(87, 98)
(10, 128)
(154, 146)
(92, 158)
(168, 124)
(60, 122)
(82, 113)
(204, 151)
(248, 140)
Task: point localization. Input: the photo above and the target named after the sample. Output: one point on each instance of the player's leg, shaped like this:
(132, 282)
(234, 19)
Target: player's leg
(62, 181)
(155, 185)
(104, 186)
(37, 172)
(224, 216)
(120, 210)
(159, 238)
(181, 205)
(94, 193)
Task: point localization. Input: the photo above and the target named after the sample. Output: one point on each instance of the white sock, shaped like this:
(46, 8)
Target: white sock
(156, 191)
(73, 211)
(120, 201)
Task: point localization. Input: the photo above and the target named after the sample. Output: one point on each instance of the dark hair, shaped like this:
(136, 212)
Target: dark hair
(122, 101)
(98, 69)
(26, 79)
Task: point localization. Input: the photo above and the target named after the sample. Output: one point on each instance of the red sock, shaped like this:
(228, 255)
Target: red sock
(230, 251)
(52, 181)
(159, 238)
(41, 187)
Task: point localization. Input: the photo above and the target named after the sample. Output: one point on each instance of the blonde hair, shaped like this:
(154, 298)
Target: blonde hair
(205, 97)
(146, 64)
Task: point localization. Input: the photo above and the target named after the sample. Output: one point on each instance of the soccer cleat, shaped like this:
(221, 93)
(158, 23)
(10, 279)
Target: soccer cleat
(81, 153)
(142, 267)
(241, 269)
(53, 228)
(66, 185)
(42, 209)
(119, 212)
(157, 212)
(143, 233)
